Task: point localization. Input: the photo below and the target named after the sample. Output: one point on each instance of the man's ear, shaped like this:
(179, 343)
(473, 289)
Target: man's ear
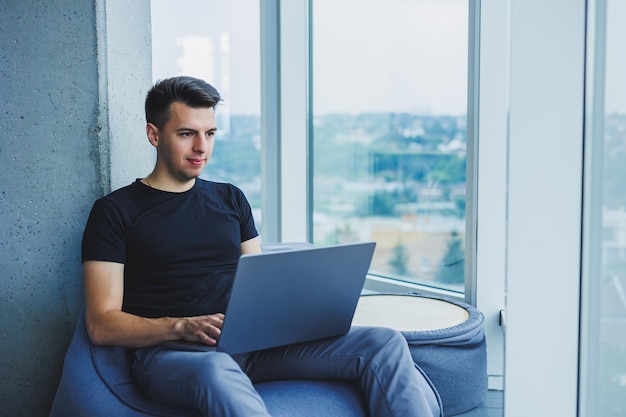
(153, 134)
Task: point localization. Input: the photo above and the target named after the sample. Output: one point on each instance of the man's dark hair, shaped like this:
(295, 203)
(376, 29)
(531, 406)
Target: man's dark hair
(189, 91)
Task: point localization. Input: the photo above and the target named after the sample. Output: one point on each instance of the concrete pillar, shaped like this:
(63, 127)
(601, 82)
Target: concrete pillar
(73, 76)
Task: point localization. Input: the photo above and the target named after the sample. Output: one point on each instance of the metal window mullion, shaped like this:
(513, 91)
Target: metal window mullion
(270, 121)
(294, 67)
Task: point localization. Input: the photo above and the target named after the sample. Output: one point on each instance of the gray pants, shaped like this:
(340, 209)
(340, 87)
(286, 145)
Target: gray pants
(376, 359)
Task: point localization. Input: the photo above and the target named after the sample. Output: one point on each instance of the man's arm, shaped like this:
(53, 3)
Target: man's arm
(107, 324)
(251, 246)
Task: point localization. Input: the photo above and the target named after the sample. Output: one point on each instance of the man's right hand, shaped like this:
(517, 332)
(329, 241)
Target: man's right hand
(108, 325)
(203, 329)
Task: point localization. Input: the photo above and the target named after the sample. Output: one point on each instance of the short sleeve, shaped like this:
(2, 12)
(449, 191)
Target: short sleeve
(246, 219)
(104, 238)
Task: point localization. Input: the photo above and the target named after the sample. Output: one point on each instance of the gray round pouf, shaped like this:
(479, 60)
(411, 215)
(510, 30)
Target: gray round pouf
(446, 339)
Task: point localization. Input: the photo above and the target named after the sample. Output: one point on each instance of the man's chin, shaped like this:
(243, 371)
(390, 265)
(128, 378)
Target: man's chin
(192, 174)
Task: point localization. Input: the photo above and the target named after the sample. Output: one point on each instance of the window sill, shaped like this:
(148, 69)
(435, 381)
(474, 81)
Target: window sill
(376, 283)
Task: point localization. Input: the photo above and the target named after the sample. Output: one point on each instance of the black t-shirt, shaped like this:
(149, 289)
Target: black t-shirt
(179, 250)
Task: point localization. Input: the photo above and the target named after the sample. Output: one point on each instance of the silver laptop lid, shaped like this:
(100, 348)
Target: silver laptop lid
(281, 298)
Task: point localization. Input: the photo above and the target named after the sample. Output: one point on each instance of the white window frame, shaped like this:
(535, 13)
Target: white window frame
(284, 106)
(544, 207)
(286, 80)
(490, 190)
(285, 49)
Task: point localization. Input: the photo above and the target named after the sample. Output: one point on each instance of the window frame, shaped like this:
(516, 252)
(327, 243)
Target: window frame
(286, 130)
(544, 206)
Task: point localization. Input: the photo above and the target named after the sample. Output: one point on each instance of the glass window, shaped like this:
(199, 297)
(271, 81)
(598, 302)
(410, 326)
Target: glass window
(603, 344)
(389, 133)
(216, 41)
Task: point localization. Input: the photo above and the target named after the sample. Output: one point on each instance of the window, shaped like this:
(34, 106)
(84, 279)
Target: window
(389, 133)
(382, 99)
(215, 41)
(603, 341)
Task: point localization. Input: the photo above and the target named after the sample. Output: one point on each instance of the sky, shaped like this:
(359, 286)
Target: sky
(396, 55)
(368, 55)
(615, 95)
(175, 21)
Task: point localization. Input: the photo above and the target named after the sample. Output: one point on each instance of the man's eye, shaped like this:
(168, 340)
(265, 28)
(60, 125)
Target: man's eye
(186, 134)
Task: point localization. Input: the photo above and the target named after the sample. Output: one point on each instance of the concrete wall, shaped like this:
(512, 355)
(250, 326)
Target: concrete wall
(73, 75)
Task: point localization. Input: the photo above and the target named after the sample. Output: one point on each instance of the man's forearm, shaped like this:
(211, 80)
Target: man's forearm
(117, 328)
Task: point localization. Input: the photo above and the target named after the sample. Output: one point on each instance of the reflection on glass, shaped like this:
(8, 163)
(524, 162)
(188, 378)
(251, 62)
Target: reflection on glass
(604, 296)
(218, 41)
(389, 133)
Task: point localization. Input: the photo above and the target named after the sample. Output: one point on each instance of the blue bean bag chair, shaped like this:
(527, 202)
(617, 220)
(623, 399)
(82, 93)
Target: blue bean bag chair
(96, 382)
(446, 339)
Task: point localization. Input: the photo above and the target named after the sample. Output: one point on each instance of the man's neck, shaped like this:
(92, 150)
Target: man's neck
(163, 183)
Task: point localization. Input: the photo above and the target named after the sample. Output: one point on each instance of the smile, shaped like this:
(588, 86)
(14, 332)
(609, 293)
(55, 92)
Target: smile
(196, 161)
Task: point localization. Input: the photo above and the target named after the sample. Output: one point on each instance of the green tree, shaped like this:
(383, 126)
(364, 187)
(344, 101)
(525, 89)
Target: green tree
(399, 259)
(452, 268)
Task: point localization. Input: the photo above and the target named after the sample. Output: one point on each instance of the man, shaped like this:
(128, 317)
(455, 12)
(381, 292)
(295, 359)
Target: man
(159, 258)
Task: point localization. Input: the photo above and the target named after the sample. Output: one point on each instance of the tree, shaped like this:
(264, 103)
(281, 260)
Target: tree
(399, 259)
(452, 267)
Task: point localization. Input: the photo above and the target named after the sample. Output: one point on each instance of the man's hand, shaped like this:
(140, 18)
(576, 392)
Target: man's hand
(203, 329)
(108, 325)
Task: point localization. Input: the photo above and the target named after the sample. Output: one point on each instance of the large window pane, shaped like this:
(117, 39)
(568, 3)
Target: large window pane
(390, 133)
(603, 362)
(218, 41)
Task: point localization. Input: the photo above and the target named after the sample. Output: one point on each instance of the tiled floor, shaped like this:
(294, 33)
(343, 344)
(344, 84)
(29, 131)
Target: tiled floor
(492, 406)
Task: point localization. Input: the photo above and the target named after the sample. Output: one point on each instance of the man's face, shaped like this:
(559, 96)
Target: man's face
(185, 144)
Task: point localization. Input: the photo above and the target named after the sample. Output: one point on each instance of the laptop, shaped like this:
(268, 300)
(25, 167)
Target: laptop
(284, 297)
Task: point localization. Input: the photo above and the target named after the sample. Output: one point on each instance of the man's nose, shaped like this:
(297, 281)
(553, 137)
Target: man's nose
(200, 144)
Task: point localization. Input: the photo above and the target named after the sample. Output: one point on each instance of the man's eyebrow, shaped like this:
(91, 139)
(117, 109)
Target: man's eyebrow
(188, 129)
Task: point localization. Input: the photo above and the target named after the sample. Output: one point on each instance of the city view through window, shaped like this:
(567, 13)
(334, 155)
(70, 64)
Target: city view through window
(389, 128)
(390, 133)
(397, 179)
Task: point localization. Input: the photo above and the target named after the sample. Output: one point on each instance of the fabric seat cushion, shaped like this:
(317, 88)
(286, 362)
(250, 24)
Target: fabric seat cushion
(96, 382)
(446, 339)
